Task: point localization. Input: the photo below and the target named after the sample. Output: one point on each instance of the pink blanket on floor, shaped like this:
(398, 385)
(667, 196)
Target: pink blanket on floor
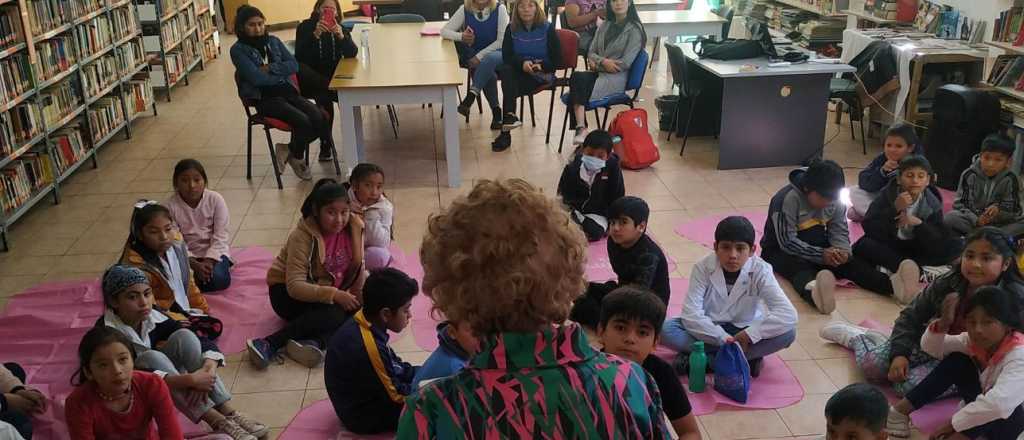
(41, 328)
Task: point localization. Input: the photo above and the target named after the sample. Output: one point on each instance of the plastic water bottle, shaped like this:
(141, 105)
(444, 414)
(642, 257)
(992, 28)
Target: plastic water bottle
(698, 367)
(364, 45)
(446, 16)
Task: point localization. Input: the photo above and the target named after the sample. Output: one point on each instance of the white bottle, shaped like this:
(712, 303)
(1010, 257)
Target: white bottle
(446, 16)
(364, 46)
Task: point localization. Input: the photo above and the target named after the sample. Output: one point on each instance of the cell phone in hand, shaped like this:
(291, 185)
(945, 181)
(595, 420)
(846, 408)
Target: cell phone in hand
(329, 17)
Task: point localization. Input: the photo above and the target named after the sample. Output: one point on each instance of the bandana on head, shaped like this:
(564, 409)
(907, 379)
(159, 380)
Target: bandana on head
(119, 277)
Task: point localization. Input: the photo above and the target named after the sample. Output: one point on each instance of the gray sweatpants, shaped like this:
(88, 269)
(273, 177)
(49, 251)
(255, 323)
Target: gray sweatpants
(963, 222)
(182, 354)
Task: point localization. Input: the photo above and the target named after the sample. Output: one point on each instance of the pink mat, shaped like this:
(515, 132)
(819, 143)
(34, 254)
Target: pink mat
(318, 422)
(41, 329)
(702, 230)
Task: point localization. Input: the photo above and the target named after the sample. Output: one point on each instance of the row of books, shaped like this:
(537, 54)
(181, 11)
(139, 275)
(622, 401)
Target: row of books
(10, 26)
(173, 30)
(948, 22)
(138, 96)
(125, 22)
(205, 24)
(1007, 71)
(47, 15)
(1009, 27)
(209, 49)
(129, 56)
(15, 76)
(105, 116)
(68, 147)
(60, 100)
(18, 125)
(100, 74)
(94, 36)
(55, 55)
(22, 178)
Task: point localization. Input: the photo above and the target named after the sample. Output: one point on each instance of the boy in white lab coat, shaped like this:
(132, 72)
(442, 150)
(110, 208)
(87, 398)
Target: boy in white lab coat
(733, 296)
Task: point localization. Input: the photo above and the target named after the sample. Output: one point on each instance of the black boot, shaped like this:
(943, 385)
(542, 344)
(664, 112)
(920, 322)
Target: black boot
(467, 103)
(510, 122)
(755, 366)
(502, 142)
(496, 118)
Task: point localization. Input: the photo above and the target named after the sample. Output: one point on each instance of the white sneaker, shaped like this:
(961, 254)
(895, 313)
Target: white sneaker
(253, 427)
(897, 425)
(281, 155)
(905, 282)
(305, 353)
(841, 332)
(930, 273)
(231, 429)
(823, 291)
(300, 168)
(581, 135)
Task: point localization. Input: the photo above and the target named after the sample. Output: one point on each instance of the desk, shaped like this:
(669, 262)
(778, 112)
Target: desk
(759, 126)
(403, 68)
(672, 23)
(657, 5)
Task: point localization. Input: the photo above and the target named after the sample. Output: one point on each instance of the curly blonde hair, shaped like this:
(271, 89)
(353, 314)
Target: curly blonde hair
(504, 258)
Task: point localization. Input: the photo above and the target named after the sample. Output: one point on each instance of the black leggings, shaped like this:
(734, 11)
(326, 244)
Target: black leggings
(889, 254)
(587, 308)
(306, 320)
(314, 86)
(305, 118)
(581, 86)
(960, 370)
(21, 422)
(799, 272)
(515, 83)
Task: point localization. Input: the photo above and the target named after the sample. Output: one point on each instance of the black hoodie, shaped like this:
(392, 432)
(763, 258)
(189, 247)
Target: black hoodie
(596, 197)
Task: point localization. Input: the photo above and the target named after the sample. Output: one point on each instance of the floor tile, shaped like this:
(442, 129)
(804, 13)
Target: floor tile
(274, 409)
(734, 425)
(288, 376)
(806, 417)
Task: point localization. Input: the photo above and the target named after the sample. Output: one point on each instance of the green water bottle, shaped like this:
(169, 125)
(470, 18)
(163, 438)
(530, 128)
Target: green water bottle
(698, 366)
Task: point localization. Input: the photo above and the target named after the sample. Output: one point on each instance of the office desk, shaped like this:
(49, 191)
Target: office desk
(403, 68)
(657, 5)
(672, 23)
(769, 116)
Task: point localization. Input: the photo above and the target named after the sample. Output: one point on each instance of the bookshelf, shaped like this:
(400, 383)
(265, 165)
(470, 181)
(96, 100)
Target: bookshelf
(73, 74)
(180, 34)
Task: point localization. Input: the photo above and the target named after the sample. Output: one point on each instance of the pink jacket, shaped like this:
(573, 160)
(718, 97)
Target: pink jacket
(204, 227)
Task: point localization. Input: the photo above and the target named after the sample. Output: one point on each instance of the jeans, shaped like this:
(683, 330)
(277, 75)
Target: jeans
(483, 73)
(959, 369)
(20, 421)
(674, 336)
(220, 279)
(377, 257)
(182, 354)
(306, 320)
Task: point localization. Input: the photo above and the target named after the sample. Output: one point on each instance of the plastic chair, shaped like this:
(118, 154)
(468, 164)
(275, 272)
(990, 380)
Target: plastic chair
(689, 90)
(634, 80)
(569, 42)
(727, 13)
(401, 18)
(845, 91)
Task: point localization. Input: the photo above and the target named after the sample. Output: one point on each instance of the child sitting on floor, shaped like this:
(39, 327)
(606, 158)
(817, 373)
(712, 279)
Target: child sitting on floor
(367, 200)
(203, 219)
(733, 296)
(112, 399)
(316, 280)
(630, 317)
(591, 183)
(856, 412)
(989, 191)
(985, 363)
(456, 343)
(903, 228)
(17, 403)
(634, 256)
(807, 241)
(366, 381)
(900, 141)
(187, 362)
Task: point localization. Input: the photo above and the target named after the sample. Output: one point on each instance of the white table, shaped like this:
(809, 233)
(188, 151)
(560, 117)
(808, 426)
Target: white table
(673, 23)
(404, 67)
(657, 5)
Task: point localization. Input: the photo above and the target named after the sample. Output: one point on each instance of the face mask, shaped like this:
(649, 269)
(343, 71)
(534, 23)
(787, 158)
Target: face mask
(593, 164)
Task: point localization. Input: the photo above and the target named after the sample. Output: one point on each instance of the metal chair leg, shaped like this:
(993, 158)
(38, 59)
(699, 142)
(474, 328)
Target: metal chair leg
(675, 119)
(273, 159)
(604, 123)
(686, 129)
(533, 118)
(565, 121)
(248, 154)
(551, 110)
(863, 137)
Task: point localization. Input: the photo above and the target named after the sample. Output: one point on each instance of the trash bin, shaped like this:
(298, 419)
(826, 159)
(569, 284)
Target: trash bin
(666, 105)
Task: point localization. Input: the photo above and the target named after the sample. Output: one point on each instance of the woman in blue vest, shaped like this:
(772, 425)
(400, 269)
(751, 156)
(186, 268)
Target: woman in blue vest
(477, 28)
(530, 51)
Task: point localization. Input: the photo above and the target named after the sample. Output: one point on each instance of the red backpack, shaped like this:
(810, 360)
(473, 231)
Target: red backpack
(636, 150)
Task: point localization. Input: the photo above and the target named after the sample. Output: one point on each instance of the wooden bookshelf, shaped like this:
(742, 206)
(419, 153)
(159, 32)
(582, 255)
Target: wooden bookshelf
(1009, 47)
(57, 167)
(835, 12)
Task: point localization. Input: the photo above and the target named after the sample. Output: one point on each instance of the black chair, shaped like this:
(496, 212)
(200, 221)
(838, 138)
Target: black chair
(727, 13)
(401, 17)
(689, 90)
(844, 91)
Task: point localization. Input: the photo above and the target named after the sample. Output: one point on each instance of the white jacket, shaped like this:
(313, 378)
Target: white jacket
(708, 302)
(1001, 383)
(378, 218)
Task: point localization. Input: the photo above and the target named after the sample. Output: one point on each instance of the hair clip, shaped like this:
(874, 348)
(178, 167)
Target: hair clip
(144, 203)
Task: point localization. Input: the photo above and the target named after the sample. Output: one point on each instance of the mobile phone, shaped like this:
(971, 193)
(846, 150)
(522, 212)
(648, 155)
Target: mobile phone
(329, 17)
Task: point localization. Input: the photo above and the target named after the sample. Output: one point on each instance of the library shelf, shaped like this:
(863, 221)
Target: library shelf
(65, 120)
(89, 16)
(1010, 91)
(110, 135)
(55, 32)
(1009, 47)
(193, 64)
(106, 90)
(184, 37)
(24, 148)
(207, 35)
(12, 50)
(6, 218)
(119, 4)
(133, 71)
(18, 100)
(57, 78)
(799, 5)
(97, 55)
(75, 166)
(127, 38)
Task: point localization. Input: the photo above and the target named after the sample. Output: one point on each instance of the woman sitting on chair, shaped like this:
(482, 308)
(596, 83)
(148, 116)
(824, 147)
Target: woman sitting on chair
(264, 72)
(616, 44)
(320, 42)
(477, 28)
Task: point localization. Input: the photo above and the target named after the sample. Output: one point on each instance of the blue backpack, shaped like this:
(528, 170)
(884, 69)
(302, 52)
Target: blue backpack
(732, 373)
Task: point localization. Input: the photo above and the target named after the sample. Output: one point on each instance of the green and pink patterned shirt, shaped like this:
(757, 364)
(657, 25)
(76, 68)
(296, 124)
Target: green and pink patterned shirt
(546, 385)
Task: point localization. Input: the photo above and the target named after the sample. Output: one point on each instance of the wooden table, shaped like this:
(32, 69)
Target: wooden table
(403, 67)
(657, 5)
(667, 24)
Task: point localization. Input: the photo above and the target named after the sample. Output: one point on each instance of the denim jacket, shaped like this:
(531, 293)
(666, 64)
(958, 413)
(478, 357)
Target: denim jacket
(247, 61)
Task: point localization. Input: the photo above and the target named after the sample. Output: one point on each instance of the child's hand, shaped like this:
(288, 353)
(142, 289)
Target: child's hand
(830, 257)
(743, 339)
(890, 165)
(898, 369)
(18, 403)
(905, 219)
(203, 268)
(203, 381)
(357, 222)
(991, 212)
(984, 220)
(903, 201)
(947, 312)
(346, 300)
(943, 432)
(37, 398)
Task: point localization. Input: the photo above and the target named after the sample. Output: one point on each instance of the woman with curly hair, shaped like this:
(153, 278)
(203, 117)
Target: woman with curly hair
(508, 261)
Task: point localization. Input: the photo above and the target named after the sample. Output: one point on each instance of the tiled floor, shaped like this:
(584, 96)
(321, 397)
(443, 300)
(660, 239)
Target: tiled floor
(81, 236)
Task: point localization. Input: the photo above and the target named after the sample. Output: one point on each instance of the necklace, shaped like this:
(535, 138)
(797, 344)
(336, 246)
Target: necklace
(113, 398)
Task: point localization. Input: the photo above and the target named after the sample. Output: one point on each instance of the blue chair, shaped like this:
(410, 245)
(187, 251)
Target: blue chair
(634, 80)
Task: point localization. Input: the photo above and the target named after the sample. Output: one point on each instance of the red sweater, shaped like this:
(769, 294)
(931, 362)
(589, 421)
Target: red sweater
(89, 419)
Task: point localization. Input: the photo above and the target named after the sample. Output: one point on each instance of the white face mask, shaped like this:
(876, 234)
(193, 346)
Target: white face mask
(593, 164)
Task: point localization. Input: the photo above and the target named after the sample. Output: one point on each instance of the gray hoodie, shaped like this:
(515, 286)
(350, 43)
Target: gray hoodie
(797, 229)
(976, 192)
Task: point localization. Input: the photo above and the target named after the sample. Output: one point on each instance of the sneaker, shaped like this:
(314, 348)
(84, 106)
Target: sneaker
(510, 122)
(905, 282)
(300, 168)
(467, 103)
(326, 153)
(823, 291)
(259, 353)
(502, 142)
(231, 429)
(930, 273)
(841, 332)
(251, 426)
(581, 135)
(897, 424)
(496, 118)
(281, 155)
(306, 353)
(755, 366)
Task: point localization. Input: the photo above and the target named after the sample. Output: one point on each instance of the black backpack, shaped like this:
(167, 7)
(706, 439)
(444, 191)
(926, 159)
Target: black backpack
(728, 49)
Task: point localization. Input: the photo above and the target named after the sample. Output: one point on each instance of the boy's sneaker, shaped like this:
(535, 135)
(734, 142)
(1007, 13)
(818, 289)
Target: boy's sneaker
(510, 122)
(467, 103)
(496, 118)
(259, 353)
(930, 273)
(905, 282)
(841, 332)
(231, 429)
(897, 425)
(300, 168)
(253, 427)
(502, 142)
(581, 135)
(305, 352)
(755, 366)
(281, 155)
(823, 291)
